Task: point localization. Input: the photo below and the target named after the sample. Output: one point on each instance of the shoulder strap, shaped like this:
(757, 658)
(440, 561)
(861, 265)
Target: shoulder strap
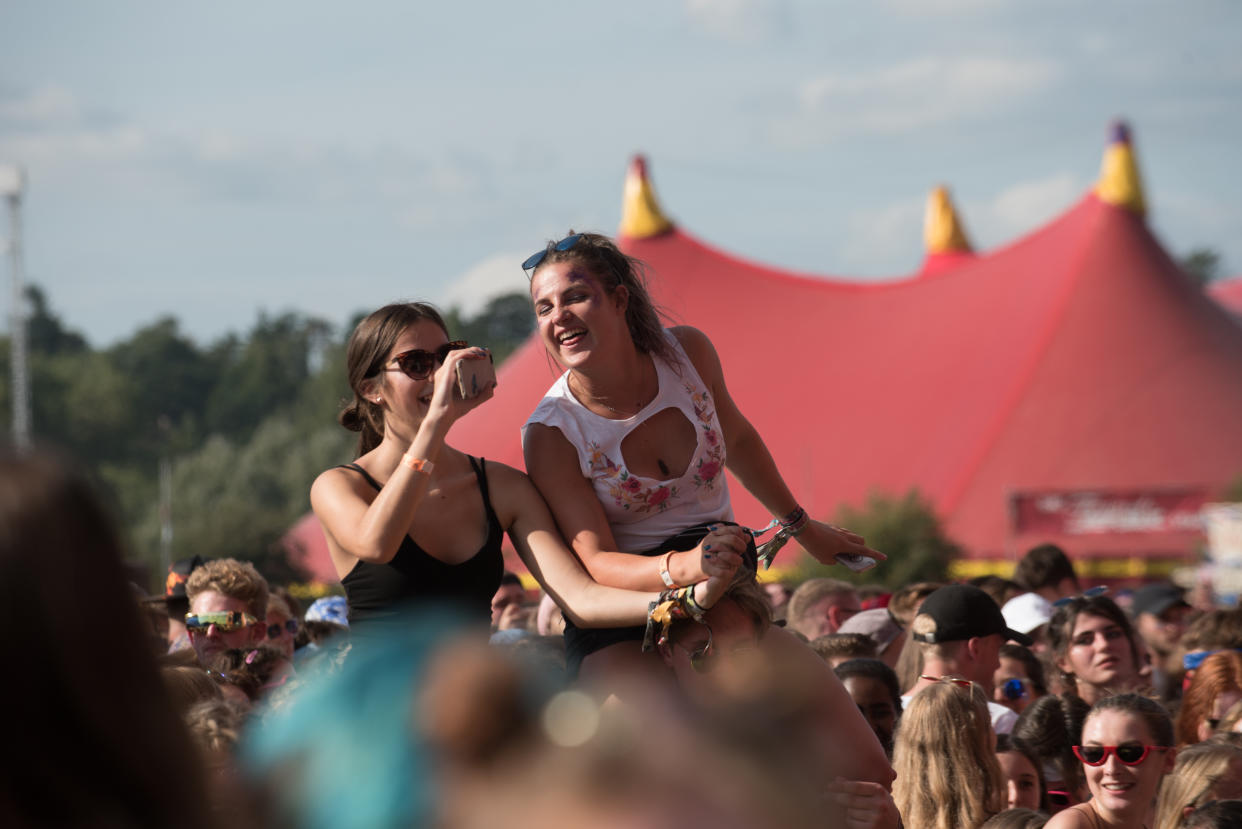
(479, 467)
(366, 475)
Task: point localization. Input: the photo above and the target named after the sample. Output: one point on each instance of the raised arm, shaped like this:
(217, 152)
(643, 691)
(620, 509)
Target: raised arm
(553, 466)
(748, 458)
(372, 530)
(587, 603)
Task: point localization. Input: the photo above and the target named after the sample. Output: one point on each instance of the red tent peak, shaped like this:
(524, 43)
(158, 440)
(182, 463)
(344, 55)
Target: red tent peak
(1119, 182)
(641, 216)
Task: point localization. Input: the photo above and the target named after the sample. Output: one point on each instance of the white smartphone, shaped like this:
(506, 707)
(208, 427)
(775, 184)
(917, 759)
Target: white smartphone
(856, 561)
(473, 376)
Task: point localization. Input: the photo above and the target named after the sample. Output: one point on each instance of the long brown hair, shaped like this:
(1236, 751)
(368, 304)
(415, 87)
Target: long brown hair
(613, 268)
(373, 339)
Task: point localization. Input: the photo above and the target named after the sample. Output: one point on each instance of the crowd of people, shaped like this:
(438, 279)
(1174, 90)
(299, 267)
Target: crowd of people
(644, 674)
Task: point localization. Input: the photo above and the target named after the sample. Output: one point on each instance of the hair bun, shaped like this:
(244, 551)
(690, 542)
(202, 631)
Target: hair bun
(351, 418)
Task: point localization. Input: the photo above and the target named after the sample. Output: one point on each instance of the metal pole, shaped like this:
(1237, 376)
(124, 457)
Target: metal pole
(17, 337)
(166, 525)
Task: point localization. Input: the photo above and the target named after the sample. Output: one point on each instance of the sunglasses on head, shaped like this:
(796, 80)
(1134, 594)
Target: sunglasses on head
(701, 658)
(290, 626)
(418, 364)
(1131, 754)
(1089, 593)
(225, 621)
(1057, 798)
(533, 261)
(952, 680)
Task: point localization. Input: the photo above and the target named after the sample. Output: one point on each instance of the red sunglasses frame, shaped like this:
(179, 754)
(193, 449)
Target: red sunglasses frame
(1113, 750)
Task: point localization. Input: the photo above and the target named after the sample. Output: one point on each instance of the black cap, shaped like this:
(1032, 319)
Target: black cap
(1156, 598)
(963, 611)
(174, 597)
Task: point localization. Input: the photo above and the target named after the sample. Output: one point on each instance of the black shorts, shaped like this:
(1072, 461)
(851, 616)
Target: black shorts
(581, 642)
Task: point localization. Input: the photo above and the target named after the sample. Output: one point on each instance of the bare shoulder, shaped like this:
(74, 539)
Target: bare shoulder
(1075, 817)
(334, 482)
(698, 347)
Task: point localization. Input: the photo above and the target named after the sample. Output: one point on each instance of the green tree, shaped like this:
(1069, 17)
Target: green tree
(1203, 265)
(905, 528)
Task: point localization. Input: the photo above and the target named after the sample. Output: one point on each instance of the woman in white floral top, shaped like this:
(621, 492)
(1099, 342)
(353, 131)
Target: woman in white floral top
(629, 447)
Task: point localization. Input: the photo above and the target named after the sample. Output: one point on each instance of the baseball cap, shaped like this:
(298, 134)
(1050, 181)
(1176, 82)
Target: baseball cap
(963, 611)
(332, 609)
(1026, 612)
(878, 625)
(1156, 598)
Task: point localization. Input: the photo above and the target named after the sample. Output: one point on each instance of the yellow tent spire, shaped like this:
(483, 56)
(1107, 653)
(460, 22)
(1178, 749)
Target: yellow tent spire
(942, 229)
(641, 217)
(1119, 182)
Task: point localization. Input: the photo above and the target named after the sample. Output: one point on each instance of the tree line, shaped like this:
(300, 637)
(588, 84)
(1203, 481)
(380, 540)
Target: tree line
(245, 422)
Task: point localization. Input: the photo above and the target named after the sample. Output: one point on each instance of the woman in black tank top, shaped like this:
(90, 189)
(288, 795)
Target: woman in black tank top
(414, 519)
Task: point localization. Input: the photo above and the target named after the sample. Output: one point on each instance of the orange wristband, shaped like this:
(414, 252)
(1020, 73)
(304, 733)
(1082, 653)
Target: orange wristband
(417, 464)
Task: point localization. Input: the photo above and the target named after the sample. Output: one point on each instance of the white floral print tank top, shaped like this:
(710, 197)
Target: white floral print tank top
(645, 511)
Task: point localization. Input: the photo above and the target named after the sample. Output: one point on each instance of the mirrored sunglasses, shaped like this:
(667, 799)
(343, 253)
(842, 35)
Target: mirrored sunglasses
(1089, 593)
(535, 259)
(418, 364)
(290, 627)
(225, 621)
(1131, 754)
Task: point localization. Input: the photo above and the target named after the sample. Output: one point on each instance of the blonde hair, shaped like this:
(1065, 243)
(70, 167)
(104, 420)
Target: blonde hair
(232, 578)
(1199, 768)
(947, 775)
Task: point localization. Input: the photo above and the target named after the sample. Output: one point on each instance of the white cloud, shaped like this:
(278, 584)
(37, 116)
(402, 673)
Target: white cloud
(888, 237)
(497, 274)
(912, 95)
(739, 20)
(50, 104)
(1021, 208)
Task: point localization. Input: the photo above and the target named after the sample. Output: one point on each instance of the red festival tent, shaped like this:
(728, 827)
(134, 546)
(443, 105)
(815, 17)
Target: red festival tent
(1071, 386)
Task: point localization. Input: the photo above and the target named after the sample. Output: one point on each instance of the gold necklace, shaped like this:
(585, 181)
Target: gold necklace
(582, 392)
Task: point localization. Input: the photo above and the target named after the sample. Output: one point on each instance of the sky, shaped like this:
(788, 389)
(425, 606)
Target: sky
(212, 162)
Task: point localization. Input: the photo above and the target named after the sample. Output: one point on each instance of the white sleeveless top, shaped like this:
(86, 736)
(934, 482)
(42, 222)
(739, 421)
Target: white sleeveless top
(644, 511)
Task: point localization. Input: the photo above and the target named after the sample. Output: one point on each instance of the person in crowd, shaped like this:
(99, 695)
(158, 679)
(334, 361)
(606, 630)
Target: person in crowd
(188, 685)
(1126, 750)
(879, 625)
(1048, 571)
(1049, 728)
(1220, 814)
(1094, 647)
(778, 593)
(947, 774)
(906, 601)
(92, 737)
(722, 668)
(1212, 631)
(282, 624)
(1231, 723)
(1215, 688)
(1030, 613)
(959, 631)
(873, 687)
(549, 620)
(1019, 680)
(820, 606)
(228, 608)
(174, 604)
(1204, 772)
(508, 602)
(629, 448)
(1160, 614)
(1001, 590)
(1020, 769)
(1019, 818)
(416, 520)
(835, 648)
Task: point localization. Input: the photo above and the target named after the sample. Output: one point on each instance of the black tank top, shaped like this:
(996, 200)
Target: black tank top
(376, 592)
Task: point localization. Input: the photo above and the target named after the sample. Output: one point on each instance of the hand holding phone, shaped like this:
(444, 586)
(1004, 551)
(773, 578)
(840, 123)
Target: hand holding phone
(856, 561)
(474, 376)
